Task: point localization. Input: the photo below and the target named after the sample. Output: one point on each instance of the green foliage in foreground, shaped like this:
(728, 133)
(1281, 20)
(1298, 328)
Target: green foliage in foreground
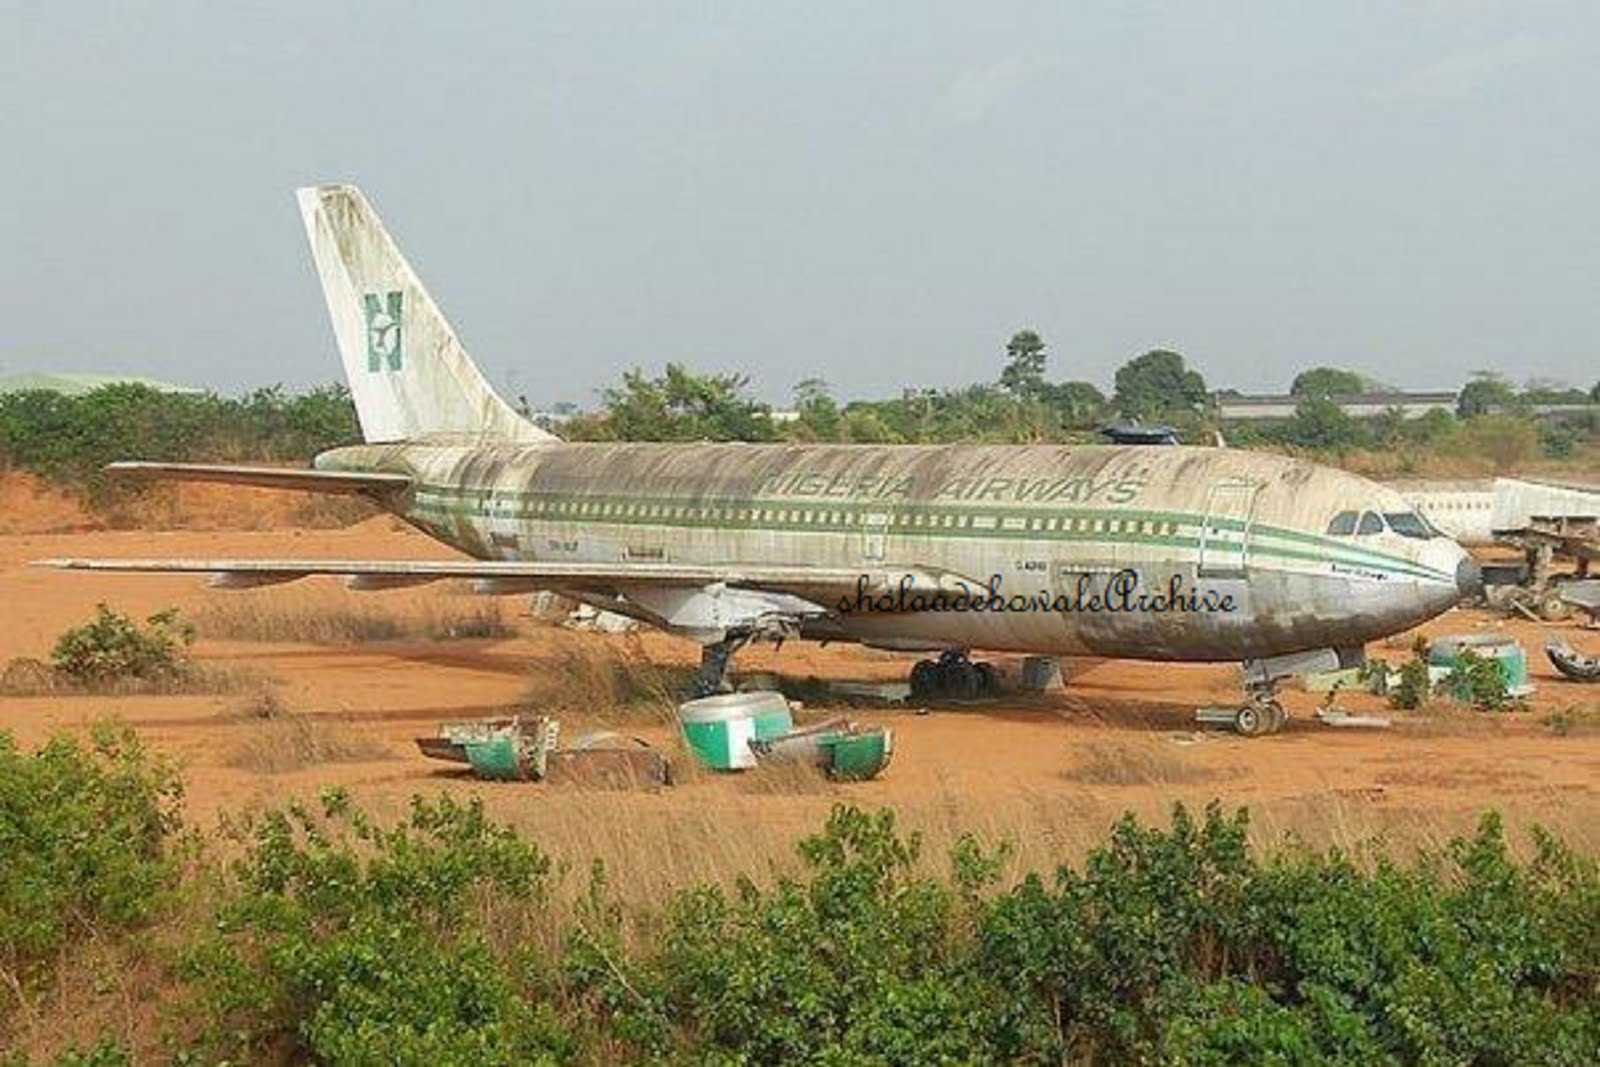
(333, 938)
(85, 836)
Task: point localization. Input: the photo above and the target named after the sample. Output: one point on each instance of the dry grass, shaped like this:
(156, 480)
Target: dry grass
(1140, 762)
(283, 619)
(276, 739)
(795, 778)
(603, 679)
(28, 677)
(1574, 719)
(1443, 717)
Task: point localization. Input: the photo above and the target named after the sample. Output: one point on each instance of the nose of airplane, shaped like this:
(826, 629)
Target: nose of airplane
(1469, 578)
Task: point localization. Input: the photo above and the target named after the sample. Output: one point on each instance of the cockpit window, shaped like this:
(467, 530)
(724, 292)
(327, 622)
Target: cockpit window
(1343, 524)
(1370, 524)
(1409, 524)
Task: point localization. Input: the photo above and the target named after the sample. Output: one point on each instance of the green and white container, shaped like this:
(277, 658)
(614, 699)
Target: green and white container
(1508, 655)
(719, 729)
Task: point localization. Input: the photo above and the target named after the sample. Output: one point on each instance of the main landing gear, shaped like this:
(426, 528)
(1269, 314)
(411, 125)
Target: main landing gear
(715, 660)
(953, 676)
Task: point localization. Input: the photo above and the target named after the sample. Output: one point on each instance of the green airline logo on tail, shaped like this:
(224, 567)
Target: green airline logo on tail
(383, 330)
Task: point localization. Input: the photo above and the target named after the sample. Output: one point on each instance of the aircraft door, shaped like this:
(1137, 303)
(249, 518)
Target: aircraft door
(1225, 535)
(874, 536)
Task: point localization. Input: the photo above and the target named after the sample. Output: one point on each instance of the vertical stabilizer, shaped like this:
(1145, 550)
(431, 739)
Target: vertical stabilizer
(408, 373)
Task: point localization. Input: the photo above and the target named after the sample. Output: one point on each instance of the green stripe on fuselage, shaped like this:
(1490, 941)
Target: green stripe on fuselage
(1071, 525)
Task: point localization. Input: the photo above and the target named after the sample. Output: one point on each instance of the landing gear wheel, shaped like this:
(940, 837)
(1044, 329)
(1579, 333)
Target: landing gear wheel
(1250, 721)
(964, 682)
(925, 680)
(953, 677)
(1276, 716)
(1553, 609)
(988, 679)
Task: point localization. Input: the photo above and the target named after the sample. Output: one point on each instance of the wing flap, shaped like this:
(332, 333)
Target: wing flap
(347, 483)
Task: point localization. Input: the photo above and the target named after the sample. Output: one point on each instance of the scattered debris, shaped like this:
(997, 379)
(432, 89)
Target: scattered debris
(592, 619)
(1335, 717)
(719, 729)
(1572, 663)
(524, 748)
(736, 730)
(876, 692)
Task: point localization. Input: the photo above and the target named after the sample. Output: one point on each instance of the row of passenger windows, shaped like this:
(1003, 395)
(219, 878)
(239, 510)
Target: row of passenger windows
(824, 517)
(1365, 523)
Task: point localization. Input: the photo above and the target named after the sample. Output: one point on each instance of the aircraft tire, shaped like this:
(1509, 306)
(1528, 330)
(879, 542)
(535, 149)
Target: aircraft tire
(1250, 721)
(1276, 717)
(988, 679)
(965, 682)
(927, 680)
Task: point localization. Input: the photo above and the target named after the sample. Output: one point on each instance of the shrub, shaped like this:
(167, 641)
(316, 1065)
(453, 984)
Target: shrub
(1477, 680)
(354, 943)
(1414, 685)
(113, 648)
(85, 834)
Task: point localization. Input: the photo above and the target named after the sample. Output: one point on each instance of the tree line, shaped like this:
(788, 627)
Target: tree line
(68, 439)
(1023, 405)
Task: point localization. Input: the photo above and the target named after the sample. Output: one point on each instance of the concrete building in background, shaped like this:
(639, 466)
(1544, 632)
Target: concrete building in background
(1244, 406)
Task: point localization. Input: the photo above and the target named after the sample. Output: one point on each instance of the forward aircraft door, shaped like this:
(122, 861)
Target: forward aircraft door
(1225, 534)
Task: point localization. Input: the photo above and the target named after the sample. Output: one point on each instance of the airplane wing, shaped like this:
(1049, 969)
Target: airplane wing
(821, 584)
(347, 483)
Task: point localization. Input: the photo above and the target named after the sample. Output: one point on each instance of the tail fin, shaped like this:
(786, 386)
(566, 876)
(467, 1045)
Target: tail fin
(408, 374)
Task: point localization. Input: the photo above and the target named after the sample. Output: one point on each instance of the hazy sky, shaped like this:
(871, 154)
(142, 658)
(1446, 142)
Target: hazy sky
(876, 194)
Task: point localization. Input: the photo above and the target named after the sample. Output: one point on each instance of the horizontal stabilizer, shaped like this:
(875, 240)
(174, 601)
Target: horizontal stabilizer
(348, 483)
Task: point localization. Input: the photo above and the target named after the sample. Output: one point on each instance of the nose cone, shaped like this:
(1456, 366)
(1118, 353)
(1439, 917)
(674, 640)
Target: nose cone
(1469, 578)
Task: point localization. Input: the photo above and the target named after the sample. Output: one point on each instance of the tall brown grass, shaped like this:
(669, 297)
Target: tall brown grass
(274, 738)
(603, 678)
(282, 619)
(1137, 761)
(28, 677)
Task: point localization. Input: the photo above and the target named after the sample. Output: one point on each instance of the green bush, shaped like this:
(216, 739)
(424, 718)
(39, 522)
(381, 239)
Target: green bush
(114, 648)
(333, 939)
(85, 839)
(69, 439)
(1411, 691)
(1477, 680)
(355, 943)
(864, 962)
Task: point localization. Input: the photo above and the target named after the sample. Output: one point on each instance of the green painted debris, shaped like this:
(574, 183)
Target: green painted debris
(855, 757)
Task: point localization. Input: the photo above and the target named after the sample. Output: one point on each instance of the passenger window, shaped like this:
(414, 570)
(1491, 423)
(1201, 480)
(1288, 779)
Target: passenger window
(1370, 524)
(1343, 524)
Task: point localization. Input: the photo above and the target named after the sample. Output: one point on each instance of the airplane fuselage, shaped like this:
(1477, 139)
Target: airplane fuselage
(1230, 553)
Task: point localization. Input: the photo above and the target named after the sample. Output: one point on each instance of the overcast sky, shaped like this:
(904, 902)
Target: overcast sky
(875, 194)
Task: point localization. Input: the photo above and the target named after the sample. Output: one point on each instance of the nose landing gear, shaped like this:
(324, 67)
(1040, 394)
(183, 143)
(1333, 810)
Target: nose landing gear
(953, 676)
(1261, 714)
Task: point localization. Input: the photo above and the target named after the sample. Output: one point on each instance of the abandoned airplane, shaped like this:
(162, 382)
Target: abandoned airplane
(1144, 552)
